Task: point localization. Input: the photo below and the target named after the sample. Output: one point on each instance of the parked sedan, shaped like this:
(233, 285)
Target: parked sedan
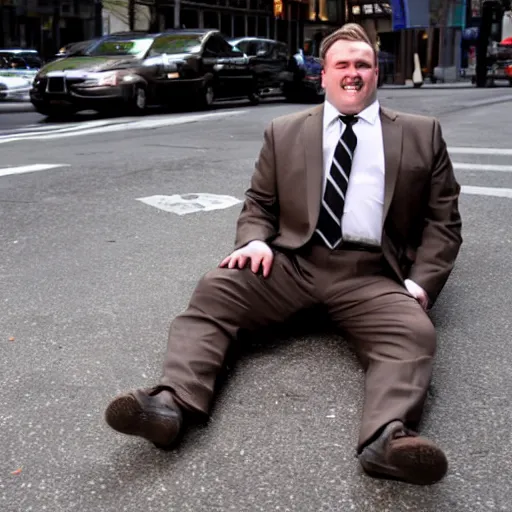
(132, 72)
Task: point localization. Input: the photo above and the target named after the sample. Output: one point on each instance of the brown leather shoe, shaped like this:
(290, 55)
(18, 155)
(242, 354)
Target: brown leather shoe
(400, 454)
(148, 413)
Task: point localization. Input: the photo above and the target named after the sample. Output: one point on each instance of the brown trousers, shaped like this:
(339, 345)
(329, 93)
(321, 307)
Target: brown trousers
(393, 336)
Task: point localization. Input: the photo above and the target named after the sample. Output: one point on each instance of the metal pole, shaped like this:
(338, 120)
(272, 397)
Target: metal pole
(177, 9)
(131, 14)
(2, 43)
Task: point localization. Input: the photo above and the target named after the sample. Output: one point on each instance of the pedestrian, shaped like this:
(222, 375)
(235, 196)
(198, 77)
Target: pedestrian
(352, 206)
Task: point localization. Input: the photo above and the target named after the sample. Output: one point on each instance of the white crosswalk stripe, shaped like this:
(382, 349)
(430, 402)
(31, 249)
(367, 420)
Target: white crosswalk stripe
(458, 166)
(487, 191)
(53, 132)
(479, 151)
(488, 169)
(29, 168)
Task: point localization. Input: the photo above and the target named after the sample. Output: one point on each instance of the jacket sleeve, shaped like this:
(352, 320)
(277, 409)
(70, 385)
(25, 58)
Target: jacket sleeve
(441, 238)
(258, 219)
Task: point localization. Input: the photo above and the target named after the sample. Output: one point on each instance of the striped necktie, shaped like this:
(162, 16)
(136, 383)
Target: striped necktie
(333, 201)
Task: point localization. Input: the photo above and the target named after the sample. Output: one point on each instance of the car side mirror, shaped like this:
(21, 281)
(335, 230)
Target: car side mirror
(261, 53)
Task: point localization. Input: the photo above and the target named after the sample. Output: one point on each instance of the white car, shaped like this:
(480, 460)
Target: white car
(15, 86)
(18, 68)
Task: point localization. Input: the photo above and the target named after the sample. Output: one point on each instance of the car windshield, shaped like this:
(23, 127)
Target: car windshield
(176, 43)
(121, 47)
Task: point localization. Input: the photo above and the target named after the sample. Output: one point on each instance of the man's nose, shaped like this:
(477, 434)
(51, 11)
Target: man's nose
(352, 70)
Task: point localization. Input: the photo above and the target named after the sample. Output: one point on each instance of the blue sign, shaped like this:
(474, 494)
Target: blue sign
(410, 14)
(400, 14)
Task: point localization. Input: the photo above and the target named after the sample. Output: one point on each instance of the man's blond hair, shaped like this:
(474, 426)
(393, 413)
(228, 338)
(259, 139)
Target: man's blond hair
(348, 32)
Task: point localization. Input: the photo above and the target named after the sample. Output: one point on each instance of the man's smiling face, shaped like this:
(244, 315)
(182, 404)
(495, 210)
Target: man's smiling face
(349, 76)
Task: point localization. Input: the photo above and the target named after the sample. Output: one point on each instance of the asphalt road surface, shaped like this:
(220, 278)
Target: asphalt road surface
(92, 270)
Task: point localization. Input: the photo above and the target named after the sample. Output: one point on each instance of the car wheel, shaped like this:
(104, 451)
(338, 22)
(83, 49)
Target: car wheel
(139, 100)
(319, 93)
(207, 96)
(290, 93)
(254, 98)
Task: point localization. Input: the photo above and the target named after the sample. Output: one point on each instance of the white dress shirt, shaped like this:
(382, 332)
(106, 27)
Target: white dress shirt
(364, 200)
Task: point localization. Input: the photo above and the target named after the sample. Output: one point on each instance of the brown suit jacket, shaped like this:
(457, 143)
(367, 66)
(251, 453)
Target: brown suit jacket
(422, 226)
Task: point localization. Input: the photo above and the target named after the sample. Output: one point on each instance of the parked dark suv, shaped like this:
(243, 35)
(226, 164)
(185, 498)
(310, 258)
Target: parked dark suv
(269, 60)
(138, 70)
(297, 77)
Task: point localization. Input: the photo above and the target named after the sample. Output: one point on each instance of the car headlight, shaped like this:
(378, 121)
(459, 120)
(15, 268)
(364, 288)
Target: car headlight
(102, 79)
(108, 79)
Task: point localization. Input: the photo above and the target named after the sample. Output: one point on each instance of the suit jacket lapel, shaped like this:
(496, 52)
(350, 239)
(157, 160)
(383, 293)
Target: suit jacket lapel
(312, 142)
(392, 137)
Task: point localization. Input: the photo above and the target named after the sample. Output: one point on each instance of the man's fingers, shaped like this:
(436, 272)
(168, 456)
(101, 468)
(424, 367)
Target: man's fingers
(225, 261)
(255, 263)
(267, 264)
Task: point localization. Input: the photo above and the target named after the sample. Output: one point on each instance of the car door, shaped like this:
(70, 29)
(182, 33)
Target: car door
(215, 62)
(232, 77)
(242, 79)
(261, 64)
(157, 70)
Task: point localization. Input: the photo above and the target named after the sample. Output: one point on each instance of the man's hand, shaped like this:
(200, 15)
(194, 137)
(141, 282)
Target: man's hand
(418, 293)
(259, 253)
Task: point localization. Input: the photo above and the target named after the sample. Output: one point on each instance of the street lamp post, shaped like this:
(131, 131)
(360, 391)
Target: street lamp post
(177, 8)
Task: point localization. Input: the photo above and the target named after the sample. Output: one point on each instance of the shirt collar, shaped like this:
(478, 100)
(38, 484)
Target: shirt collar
(369, 114)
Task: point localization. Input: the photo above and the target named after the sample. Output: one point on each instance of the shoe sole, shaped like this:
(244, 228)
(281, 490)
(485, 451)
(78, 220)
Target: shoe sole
(418, 460)
(126, 415)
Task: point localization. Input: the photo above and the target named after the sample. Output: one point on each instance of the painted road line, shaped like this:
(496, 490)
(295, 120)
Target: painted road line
(6, 171)
(481, 167)
(480, 151)
(139, 124)
(487, 191)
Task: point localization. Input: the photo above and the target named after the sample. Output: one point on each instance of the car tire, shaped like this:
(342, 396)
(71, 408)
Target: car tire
(206, 96)
(319, 94)
(290, 93)
(139, 101)
(254, 98)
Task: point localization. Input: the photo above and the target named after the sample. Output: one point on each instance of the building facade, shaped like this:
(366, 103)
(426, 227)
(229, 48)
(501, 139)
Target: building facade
(290, 21)
(399, 27)
(46, 25)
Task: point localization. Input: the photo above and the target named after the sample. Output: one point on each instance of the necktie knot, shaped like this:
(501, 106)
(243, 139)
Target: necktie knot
(349, 120)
